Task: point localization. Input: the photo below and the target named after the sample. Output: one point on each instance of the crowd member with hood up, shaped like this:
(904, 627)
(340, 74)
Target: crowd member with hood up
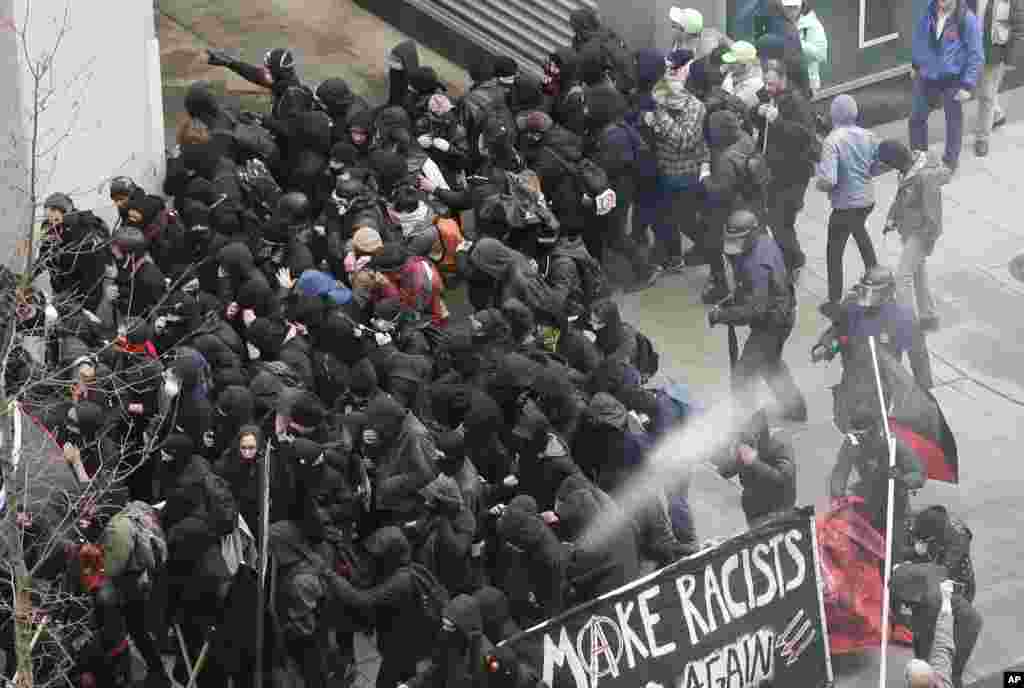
(403, 452)
(392, 604)
(485, 96)
(140, 281)
(846, 172)
(536, 560)
(306, 550)
(548, 147)
(513, 276)
(650, 70)
(461, 657)
(73, 250)
(730, 187)
(498, 623)
(403, 59)
(233, 410)
(595, 567)
(767, 472)
(185, 393)
(677, 128)
(237, 272)
(163, 230)
(445, 534)
(202, 104)
(788, 139)
(394, 135)
(613, 145)
(563, 87)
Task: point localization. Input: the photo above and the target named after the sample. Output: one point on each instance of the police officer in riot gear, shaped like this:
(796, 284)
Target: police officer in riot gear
(762, 298)
(872, 310)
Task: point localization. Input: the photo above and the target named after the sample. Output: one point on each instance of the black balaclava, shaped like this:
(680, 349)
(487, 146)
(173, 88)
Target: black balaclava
(175, 454)
(451, 448)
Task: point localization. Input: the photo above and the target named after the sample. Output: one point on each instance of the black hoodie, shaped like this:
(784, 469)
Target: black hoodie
(398, 79)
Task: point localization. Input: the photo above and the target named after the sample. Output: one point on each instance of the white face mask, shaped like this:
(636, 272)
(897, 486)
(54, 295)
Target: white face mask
(921, 547)
(370, 438)
(254, 353)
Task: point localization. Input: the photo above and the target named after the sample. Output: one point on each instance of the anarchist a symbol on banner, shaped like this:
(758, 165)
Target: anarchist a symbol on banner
(600, 641)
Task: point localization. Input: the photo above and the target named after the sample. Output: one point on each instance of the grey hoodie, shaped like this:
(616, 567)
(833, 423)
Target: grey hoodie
(849, 159)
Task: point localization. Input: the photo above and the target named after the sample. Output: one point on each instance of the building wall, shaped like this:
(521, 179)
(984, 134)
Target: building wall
(104, 114)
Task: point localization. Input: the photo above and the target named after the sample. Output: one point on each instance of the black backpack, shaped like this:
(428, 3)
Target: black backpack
(221, 507)
(260, 189)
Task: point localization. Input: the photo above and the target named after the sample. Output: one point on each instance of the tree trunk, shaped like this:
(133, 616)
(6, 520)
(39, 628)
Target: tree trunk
(23, 629)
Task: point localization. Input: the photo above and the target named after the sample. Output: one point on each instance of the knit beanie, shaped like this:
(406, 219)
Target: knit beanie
(367, 241)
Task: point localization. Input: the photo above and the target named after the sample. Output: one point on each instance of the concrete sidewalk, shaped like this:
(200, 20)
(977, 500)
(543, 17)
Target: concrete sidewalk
(976, 356)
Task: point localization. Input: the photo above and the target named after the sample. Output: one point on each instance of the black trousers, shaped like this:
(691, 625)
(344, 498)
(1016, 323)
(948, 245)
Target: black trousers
(762, 358)
(841, 224)
(784, 204)
(609, 232)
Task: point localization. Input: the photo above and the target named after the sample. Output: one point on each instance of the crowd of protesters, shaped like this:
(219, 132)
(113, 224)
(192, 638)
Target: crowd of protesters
(433, 470)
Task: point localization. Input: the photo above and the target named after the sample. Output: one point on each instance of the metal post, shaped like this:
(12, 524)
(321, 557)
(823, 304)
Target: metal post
(889, 512)
(263, 559)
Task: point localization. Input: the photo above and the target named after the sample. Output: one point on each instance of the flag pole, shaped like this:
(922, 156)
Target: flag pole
(263, 556)
(889, 511)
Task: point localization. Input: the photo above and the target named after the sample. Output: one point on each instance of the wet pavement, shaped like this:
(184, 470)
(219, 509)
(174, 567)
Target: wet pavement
(976, 357)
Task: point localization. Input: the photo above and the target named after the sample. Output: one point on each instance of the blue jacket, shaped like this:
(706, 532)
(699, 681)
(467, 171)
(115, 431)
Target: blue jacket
(954, 56)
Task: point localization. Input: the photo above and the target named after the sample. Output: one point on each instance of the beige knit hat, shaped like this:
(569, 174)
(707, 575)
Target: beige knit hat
(367, 241)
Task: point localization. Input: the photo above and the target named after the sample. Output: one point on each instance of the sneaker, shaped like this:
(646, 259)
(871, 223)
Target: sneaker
(999, 121)
(714, 293)
(674, 265)
(929, 323)
(981, 148)
(830, 309)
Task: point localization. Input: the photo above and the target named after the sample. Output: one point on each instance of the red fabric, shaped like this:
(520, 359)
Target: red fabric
(851, 550)
(931, 454)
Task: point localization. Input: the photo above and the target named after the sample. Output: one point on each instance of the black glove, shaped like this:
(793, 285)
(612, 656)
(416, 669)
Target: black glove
(219, 58)
(715, 316)
(889, 227)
